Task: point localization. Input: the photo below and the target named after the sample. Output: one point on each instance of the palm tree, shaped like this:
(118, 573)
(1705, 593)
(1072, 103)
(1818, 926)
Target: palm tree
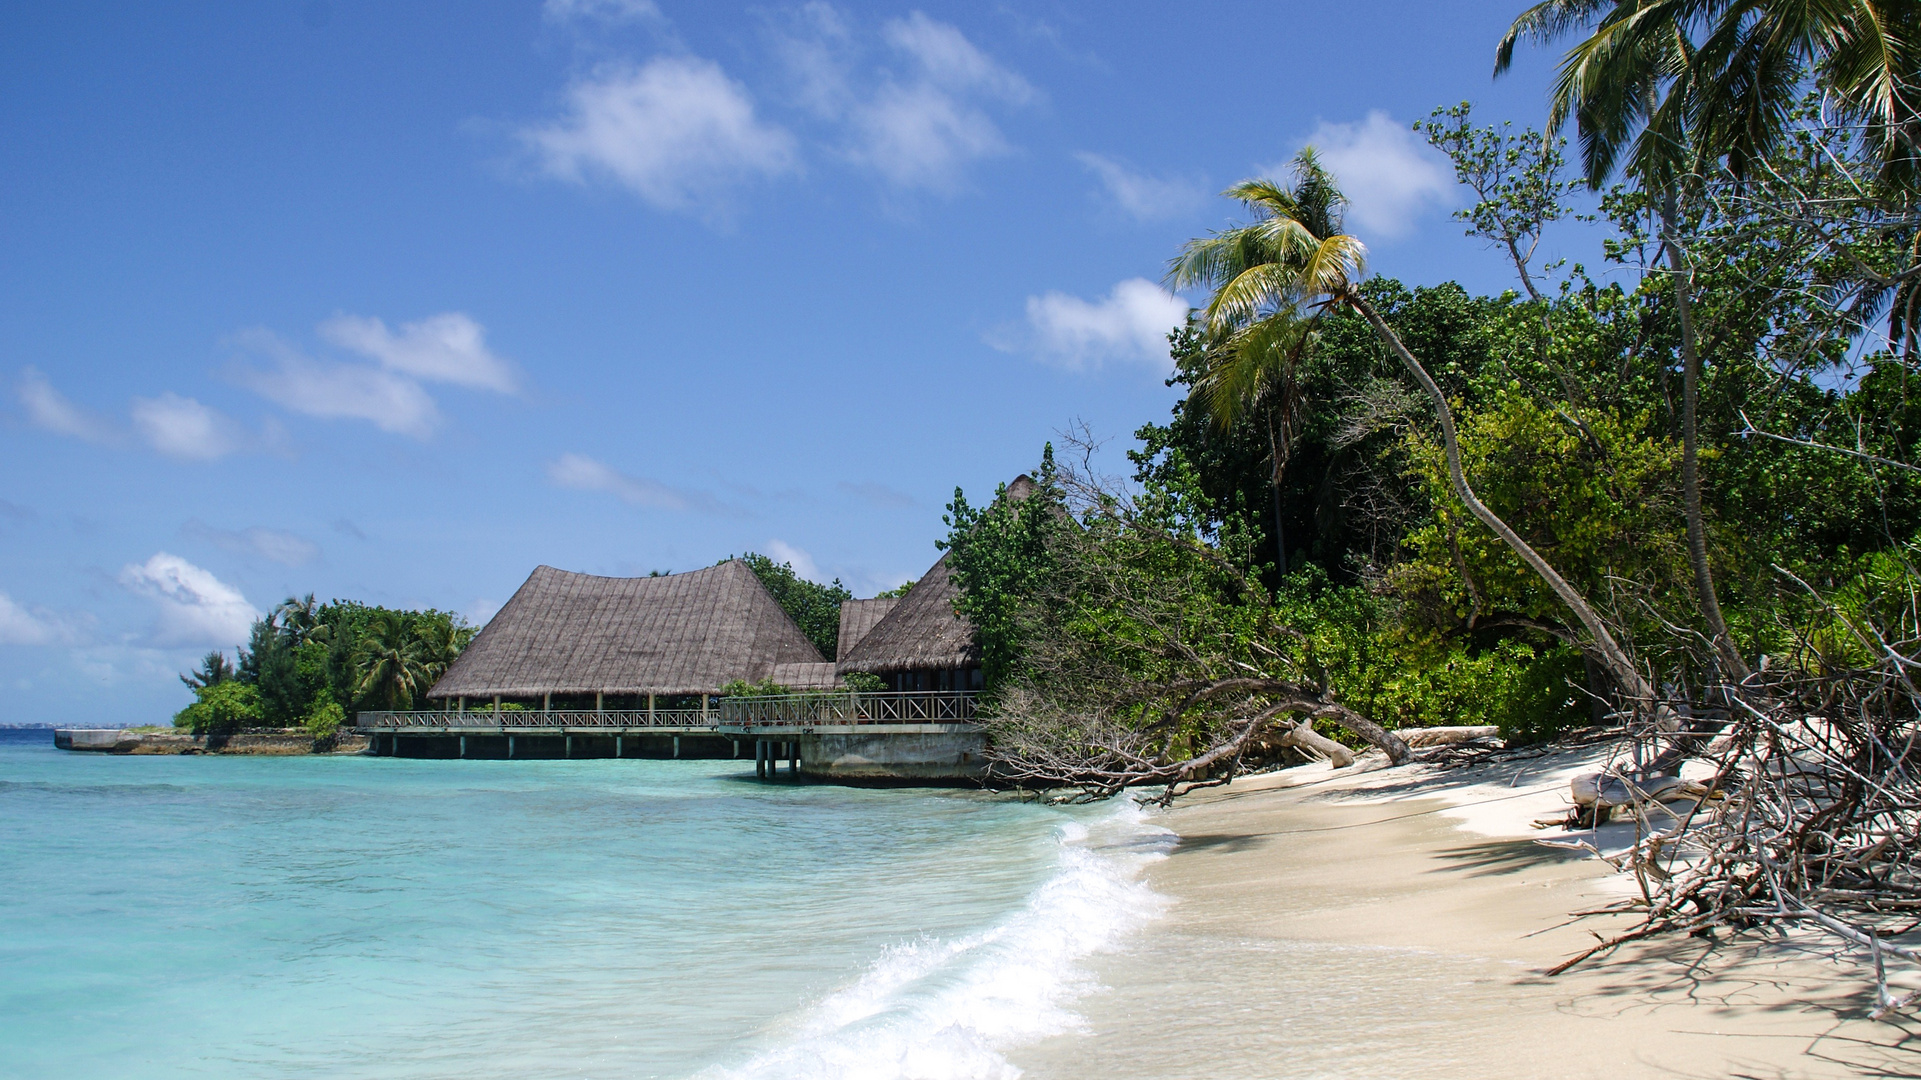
(1713, 79)
(1679, 84)
(392, 660)
(440, 642)
(214, 669)
(1291, 267)
(1256, 368)
(299, 618)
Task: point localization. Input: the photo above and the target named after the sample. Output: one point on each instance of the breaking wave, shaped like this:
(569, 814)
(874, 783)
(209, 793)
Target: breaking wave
(949, 1009)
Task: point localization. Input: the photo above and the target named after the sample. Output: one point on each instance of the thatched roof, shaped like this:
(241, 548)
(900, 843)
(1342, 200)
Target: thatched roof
(921, 632)
(689, 633)
(806, 676)
(857, 617)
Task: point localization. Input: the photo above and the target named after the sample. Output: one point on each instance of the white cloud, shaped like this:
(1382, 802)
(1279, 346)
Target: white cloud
(919, 136)
(585, 474)
(783, 552)
(195, 607)
(19, 626)
(1390, 177)
(947, 59)
(181, 427)
(449, 348)
(274, 545)
(677, 132)
(1130, 323)
(917, 118)
(600, 10)
(922, 131)
(390, 401)
(818, 56)
(49, 409)
(1143, 197)
(480, 611)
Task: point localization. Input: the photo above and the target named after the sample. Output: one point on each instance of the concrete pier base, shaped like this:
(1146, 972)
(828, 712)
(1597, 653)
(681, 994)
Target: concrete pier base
(953, 757)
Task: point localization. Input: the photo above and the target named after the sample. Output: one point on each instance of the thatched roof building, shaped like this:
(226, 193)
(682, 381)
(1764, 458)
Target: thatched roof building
(920, 633)
(920, 643)
(680, 634)
(857, 617)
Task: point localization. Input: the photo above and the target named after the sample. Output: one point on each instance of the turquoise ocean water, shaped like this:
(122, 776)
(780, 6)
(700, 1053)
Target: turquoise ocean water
(373, 917)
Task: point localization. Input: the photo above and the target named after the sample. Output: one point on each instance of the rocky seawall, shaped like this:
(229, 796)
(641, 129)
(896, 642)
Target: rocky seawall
(285, 741)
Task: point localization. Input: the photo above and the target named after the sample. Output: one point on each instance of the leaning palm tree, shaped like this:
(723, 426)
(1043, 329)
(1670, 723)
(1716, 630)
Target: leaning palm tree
(1290, 268)
(1678, 85)
(392, 661)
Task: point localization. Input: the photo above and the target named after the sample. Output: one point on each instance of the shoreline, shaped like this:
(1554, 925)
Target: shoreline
(1397, 922)
(278, 742)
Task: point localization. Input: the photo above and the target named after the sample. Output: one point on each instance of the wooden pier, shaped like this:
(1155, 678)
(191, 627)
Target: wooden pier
(886, 737)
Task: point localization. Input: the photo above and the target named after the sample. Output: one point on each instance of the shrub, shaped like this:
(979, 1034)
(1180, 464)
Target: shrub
(221, 710)
(323, 720)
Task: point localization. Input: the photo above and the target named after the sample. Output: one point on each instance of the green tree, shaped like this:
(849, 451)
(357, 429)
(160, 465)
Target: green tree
(1304, 267)
(392, 660)
(221, 709)
(214, 668)
(1681, 84)
(1001, 559)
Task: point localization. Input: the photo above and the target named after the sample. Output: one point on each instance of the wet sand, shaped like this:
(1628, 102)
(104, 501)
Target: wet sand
(1395, 923)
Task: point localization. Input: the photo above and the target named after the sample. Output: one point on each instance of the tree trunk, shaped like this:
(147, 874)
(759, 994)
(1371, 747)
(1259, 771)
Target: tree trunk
(1619, 666)
(1303, 736)
(1682, 280)
(1276, 455)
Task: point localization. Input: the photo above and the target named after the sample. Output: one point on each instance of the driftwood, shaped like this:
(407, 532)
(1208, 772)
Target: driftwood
(1446, 736)
(1304, 737)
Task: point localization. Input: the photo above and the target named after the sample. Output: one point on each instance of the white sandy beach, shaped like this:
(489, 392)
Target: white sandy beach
(1395, 922)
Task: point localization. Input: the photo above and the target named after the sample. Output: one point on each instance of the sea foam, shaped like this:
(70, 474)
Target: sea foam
(949, 1009)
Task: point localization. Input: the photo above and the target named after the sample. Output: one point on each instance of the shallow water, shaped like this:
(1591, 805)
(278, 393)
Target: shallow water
(381, 917)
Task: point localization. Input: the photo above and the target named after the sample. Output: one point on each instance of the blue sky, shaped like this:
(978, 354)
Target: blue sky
(397, 301)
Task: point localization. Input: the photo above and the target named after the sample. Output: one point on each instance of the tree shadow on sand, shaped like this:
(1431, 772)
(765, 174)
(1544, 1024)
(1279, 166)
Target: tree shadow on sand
(1751, 973)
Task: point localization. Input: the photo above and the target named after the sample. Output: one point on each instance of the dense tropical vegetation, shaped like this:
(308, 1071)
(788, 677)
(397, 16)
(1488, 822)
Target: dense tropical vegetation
(1678, 491)
(310, 664)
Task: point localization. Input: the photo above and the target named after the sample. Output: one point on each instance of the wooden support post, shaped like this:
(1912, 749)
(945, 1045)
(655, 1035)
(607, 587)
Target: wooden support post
(600, 700)
(547, 701)
(703, 710)
(793, 762)
(760, 759)
(650, 709)
(510, 748)
(463, 704)
(676, 746)
(463, 746)
(570, 746)
(617, 746)
(736, 747)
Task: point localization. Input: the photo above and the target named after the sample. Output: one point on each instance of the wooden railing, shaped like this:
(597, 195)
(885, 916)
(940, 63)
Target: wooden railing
(535, 718)
(771, 711)
(847, 707)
